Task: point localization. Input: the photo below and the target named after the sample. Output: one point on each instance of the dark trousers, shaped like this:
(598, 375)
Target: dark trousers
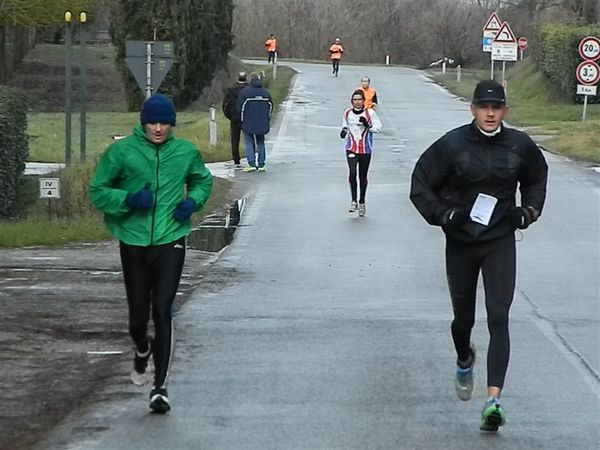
(271, 57)
(336, 66)
(496, 260)
(151, 276)
(235, 129)
(358, 164)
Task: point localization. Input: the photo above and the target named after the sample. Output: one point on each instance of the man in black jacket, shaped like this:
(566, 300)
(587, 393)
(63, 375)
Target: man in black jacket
(231, 112)
(466, 182)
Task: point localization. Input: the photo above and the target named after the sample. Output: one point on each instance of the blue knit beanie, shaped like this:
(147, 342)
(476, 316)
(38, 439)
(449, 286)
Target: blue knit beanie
(158, 109)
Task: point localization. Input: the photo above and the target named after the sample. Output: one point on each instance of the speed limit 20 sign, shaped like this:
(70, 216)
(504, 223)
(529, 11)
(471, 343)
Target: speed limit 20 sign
(588, 73)
(589, 48)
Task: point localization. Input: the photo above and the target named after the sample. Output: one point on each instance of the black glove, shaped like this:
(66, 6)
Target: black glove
(184, 210)
(522, 217)
(455, 217)
(141, 199)
(344, 132)
(364, 121)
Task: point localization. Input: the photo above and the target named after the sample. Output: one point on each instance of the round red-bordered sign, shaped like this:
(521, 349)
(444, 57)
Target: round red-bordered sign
(589, 48)
(588, 73)
(522, 41)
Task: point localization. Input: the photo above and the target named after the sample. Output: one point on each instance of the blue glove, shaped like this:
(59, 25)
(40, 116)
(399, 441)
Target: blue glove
(141, 199)
(184, 210)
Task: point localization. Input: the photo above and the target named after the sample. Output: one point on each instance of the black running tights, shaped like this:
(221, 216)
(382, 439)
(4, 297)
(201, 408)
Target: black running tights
(360, 162)
(497, 262)
(151, 276)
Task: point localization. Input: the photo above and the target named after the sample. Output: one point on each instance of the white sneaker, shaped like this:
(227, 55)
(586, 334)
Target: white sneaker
(362, 210)
(353, 206)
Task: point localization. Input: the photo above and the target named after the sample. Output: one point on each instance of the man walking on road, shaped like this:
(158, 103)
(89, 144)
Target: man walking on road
(231, 112)
(148, 185)
(466, 182)
(358, 126)
(255, 106)
(335, 52)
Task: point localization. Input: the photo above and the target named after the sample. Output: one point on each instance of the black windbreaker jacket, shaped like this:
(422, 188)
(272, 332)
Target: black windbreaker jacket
(463, 163)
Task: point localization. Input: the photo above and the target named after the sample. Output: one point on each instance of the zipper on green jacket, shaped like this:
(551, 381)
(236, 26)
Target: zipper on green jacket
(156, 195)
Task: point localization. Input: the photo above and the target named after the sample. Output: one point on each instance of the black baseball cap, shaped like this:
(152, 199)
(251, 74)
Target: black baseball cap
(489, 91)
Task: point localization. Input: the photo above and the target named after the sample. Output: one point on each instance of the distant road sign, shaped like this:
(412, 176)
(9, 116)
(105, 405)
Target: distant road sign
(493, 23)
(522, 43)
(589, 48)
(505, 34)
(586, 90)
(490, 29)
(588, 73)
(49, 187)
(159, 60)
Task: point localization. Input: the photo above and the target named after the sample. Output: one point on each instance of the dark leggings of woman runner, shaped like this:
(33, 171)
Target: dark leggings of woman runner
(151, 276)
(497, 262)
(362, 161)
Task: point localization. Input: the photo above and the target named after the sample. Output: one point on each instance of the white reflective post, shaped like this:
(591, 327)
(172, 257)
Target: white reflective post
(212, 127)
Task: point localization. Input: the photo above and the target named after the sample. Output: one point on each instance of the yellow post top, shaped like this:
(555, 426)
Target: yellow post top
(68, 16)
(82, 17)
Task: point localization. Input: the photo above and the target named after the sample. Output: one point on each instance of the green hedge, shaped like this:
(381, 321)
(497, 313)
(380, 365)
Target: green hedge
(556, 50)
(14, 148)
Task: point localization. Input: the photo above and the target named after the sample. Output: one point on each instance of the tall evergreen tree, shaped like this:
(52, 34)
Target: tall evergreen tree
(201, 34)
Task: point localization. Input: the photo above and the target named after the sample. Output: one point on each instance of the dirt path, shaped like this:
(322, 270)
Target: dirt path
(60, 306)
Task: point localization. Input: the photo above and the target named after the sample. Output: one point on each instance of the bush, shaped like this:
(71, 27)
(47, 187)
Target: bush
(14, 148)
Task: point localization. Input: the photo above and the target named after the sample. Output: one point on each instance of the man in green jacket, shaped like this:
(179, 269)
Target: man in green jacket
(148, 185)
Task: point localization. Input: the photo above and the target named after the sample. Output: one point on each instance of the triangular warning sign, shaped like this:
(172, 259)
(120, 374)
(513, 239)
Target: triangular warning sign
(493, 23)
(505, 34)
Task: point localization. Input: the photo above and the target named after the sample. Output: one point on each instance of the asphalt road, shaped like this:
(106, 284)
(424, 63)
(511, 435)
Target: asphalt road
(329, 331)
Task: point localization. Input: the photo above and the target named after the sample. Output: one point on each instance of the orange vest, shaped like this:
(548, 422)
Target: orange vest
(271, 44)
(369, 94)
(336, 51)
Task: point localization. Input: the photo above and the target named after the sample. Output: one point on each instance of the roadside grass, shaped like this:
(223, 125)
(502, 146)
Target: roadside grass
(537, 105)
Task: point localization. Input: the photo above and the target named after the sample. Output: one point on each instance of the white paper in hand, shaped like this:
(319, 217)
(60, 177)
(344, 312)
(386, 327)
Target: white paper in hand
(483, 208)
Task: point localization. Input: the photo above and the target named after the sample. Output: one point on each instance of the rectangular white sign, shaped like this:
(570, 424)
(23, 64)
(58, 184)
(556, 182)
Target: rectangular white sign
(488, 37)
(504, 51)
(49, 187)
(586, 90)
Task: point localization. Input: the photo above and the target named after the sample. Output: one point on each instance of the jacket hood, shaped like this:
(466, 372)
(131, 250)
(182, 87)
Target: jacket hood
(256, 83)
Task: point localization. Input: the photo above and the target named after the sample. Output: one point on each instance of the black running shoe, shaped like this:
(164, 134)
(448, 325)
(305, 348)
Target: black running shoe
(159, 400)
(139, 374)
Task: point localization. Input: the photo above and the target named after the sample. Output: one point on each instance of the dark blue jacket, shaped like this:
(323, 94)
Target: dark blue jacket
(255, 106)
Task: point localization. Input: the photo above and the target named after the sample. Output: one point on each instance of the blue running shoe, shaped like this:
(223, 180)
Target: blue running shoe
(464, 383)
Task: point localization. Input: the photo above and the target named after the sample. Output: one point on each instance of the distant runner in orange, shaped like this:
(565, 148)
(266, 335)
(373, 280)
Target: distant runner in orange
(271, 48)
(370, 93)
(335, 51)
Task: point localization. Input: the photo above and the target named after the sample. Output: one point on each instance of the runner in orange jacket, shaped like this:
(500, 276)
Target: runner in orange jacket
(370, 93)
(271, 47)
(335, 51)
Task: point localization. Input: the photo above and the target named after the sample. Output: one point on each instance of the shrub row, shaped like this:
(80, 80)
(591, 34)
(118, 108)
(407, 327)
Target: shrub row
(556, 50)
(14, 148)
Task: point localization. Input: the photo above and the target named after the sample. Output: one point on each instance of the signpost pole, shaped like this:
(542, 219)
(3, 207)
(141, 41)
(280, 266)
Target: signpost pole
(82, 88)
(584, 107)
(68, 51)
(492, 68)
(148, 69)
(503, 71)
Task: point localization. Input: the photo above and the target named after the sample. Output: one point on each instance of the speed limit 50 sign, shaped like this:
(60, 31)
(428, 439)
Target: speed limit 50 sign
(589, 48)
(588, 73)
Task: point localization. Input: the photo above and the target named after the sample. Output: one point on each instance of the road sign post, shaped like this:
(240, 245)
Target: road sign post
(504, 47)
(522, 42)
(490, 29)
(149, 62)
(49, 188)
(588, 71)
